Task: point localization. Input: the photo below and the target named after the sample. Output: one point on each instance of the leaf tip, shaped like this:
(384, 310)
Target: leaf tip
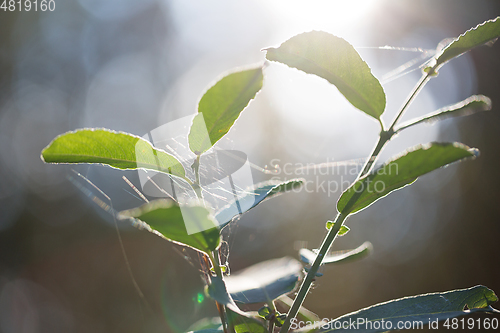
(368, 246)
(485, 100)
(42, 155)
(475, 152)
(446, 50)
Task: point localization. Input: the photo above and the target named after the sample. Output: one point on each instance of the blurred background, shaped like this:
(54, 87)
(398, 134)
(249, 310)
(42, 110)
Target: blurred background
(135, 65)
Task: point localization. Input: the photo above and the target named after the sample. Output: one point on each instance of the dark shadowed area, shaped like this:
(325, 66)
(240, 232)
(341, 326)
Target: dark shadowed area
(136, 65)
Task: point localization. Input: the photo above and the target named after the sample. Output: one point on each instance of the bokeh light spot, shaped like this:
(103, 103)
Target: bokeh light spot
(199, 298)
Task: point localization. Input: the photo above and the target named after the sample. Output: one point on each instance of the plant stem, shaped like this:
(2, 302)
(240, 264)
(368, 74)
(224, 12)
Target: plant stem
(196, 185)
(417, 121)
(222, 315)
(216, 261)
(271, 326)
(311, 275)
(373, 157)
(421, 83)
(384, 137)
(413, 123)
(214, 257)
(327, 242)
(381, 124)
(275, 313)
(330, 237)
(197, 169)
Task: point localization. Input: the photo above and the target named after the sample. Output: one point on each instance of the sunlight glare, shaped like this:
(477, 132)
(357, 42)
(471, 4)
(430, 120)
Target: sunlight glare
(334, 16)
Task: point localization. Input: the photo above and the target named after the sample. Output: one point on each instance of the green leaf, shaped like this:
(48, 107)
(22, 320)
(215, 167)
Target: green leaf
(343, 229)
(116, 149)
(360, 252)
(221, 105)
(280, 320)
(170, 221)
(471, 105)
(217, 290)
(264, 281)
(483, 33)
(245, 324)
(400, 172)
(336, 61)
(423, 308)
(241, 321)
(264, 312)
(253, 197)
